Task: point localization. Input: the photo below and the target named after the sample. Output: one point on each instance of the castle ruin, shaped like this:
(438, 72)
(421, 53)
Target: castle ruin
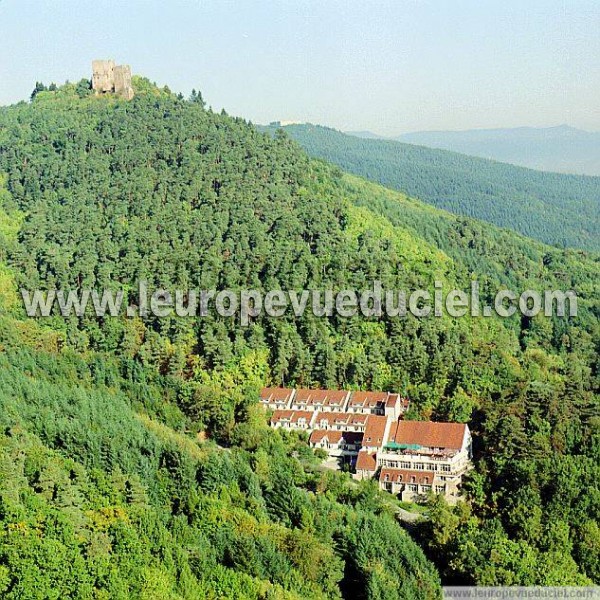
(110, 78)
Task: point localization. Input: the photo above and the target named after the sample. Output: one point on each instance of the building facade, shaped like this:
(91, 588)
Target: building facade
(424, 456)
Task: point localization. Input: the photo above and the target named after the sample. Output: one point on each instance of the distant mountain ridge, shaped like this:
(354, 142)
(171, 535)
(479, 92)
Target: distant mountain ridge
(562, 210)
(562, 149)
(366, 135)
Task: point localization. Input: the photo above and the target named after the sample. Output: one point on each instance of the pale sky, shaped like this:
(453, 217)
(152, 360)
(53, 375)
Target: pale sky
(386, 66)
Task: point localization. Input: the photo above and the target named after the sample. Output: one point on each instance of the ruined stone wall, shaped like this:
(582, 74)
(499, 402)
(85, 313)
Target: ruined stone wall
(122, 80)
(103, 75)
(110, 78)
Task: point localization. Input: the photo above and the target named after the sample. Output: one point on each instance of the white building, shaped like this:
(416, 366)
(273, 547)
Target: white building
(423, 456)
(320, 400)
(276, 398)
(366, 429)
(338, 444)
(293, 419)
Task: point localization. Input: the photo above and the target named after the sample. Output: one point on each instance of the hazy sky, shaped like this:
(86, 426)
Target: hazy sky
(387, 66)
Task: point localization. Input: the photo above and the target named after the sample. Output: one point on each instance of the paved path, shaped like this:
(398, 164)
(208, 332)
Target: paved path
(409, 517)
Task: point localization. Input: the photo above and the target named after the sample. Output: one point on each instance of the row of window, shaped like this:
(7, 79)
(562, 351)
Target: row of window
(342, 445)
(323, 407)
(340, 427)
(394, 464)
(412, 487)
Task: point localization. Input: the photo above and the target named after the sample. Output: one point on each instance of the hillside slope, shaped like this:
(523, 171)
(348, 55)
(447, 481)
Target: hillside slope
(103, 495)
(562, 210)
(100, 193)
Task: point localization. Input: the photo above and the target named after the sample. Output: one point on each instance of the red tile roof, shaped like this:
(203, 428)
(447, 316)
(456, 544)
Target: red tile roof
(375, 430)
(429, 434)
(406, 476)
(334, 437)
(340, 418)
(368, 398)
(325, 397)
(318, 435)
(275, 394)
(366, 462)
(392, 399)
(291, 415)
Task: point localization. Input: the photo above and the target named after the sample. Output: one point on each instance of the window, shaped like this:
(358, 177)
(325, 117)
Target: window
(412, 488)
(439, 489)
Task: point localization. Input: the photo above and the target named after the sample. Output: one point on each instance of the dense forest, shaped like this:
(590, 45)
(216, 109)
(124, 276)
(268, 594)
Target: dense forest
(562, 210)
(135, 461)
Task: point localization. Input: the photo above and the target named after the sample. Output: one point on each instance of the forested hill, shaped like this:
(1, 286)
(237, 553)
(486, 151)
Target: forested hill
(134, 462)
(562, 210)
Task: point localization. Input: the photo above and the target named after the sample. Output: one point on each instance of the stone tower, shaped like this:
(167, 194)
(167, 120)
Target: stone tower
(122, 81)
(110, 78)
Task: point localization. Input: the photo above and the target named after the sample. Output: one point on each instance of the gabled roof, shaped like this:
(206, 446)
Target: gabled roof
(428, 434)
(366, 462)
(375, 430)
(291, 415)
(335, 437)
(368, 398)
(340, 418)
(275, 394)
(406, 476)
(392, 399)
(318, 435)
(324, 397)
